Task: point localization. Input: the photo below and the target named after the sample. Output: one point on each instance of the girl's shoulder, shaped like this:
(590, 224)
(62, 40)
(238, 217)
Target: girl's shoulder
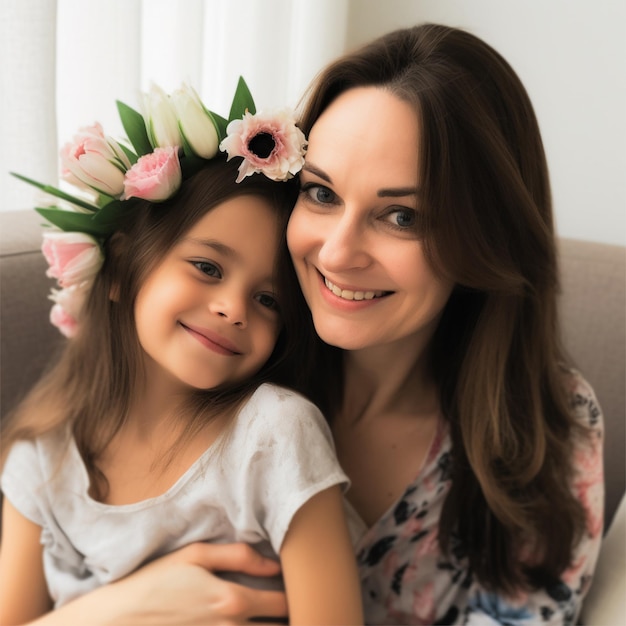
(280, 400)
(45, 449)
(280, 413)
(30, 466)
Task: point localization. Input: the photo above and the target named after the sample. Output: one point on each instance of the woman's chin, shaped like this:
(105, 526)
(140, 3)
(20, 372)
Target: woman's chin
(343, 336)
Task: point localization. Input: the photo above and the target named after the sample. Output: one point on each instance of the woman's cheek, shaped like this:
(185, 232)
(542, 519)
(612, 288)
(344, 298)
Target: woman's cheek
(296, 230)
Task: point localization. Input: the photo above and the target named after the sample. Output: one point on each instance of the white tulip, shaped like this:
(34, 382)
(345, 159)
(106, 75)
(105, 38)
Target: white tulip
(195, 124)
(160, 117)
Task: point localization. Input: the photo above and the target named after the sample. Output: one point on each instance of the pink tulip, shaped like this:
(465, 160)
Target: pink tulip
(66, 324)
(73, 257)
(156, 176)
(94, 161)
(68, 305)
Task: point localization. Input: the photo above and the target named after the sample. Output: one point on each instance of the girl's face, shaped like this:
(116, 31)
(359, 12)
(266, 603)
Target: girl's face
(352, 234)
(208, 315)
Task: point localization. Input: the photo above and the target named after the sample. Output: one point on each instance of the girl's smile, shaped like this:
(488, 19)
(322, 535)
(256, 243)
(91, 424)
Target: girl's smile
(213, 341)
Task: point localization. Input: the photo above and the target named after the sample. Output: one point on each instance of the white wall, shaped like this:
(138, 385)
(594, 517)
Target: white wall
(571, 56)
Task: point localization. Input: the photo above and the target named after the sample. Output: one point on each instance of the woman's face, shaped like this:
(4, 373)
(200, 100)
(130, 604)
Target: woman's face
(353, 234)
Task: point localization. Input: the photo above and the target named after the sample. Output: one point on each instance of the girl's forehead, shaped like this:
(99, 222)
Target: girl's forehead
(244, 229)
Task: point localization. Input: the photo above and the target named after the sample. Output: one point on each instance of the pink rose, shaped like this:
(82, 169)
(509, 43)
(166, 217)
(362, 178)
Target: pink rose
(67, 309)
(156, 176)
(94, 161)
(73, 257)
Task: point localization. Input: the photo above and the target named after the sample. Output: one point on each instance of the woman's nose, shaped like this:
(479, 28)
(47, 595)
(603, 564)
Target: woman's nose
(344, 246)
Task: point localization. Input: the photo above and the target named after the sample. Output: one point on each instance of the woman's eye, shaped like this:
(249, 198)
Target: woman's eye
(207, 268)
(402, 218)
(268, 301)
(318, 193)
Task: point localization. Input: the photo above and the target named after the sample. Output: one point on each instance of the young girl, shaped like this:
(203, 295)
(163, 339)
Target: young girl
(162, 423)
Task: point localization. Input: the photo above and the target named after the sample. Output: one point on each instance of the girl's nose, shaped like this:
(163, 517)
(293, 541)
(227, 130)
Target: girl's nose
(231, 307)
(345, 245)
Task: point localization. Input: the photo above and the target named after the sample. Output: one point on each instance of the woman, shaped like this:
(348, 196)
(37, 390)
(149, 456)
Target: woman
(423, 241)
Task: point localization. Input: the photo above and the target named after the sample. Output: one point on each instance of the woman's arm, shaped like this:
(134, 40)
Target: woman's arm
(319, 567)
(23, 590)
(179, 589)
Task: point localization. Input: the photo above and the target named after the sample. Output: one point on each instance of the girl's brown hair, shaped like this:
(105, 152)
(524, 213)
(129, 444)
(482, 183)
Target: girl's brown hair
(91, 385)
(487, 223)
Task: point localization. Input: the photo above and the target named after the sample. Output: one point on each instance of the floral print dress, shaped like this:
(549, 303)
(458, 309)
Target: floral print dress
(407, 580)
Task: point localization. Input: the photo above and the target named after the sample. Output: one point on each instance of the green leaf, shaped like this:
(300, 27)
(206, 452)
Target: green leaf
(242, 101)
(190, 164)
(104, 199)
(107, 219)
(132, 157)
(53, 191)
(99, 225)
(135, 128)
(71, 222)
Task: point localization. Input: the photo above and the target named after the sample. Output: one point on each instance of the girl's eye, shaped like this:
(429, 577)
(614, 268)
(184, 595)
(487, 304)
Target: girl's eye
(402, 218)
(318, 193)
(268, 301)
(207, 268)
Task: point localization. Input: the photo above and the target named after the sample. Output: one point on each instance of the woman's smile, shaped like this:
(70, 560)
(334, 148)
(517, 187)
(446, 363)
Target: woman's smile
(353, 293)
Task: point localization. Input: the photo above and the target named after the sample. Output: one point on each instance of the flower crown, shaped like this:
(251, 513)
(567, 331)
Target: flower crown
(167, 144)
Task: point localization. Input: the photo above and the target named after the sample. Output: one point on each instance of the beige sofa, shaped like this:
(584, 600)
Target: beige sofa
(593, 307)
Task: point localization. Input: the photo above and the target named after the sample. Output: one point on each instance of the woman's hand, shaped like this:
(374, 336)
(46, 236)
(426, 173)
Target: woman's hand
(180, 588)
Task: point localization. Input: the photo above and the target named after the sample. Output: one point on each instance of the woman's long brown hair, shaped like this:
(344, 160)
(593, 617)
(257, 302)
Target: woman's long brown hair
(90, 387)
(496, 355)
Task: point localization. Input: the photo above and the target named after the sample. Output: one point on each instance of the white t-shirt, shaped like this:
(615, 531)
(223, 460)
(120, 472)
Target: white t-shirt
(246, 487)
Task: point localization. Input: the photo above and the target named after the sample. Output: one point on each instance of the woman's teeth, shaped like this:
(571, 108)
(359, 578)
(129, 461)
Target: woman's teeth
(347, 294)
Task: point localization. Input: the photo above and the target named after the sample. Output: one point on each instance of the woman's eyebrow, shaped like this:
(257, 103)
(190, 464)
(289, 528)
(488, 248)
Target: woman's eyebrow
(397, 192)
(309, 167)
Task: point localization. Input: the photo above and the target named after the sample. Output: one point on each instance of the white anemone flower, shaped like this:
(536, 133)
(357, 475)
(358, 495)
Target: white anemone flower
(269, 142)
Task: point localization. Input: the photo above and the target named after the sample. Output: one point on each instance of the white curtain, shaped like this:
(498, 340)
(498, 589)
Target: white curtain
(65, 62)
(28, 140)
